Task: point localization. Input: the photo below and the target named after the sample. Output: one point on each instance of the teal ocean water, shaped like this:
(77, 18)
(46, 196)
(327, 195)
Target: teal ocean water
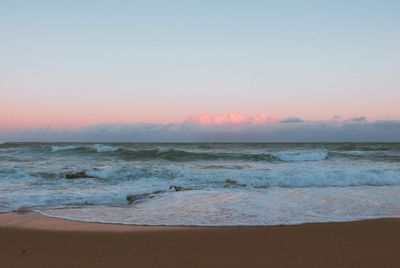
(202, 183)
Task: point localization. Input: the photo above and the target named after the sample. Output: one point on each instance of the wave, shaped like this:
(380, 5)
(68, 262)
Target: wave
(217, 177)
(172, 154)
(367, 147)
(336, 178)
(55, 149)
(306, 155)
(289, 178)
(136, 185)
(390, 154)
(112, 185)
(177, 155)
(2, 142)
(182, 155)
(99, 148)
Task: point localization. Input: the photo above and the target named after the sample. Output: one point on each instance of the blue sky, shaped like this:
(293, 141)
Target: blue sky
(72, 64)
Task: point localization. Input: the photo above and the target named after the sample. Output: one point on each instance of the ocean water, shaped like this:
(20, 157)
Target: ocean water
(215, 184)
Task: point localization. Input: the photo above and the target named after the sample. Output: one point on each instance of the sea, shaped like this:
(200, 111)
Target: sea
(202, 184)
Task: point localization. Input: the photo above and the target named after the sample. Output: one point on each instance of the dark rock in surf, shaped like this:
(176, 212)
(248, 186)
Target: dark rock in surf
(77, 175)
(231, 181)
(158, 192)
(234, 182)
(176, 188)
(132, 197)
(139, 197)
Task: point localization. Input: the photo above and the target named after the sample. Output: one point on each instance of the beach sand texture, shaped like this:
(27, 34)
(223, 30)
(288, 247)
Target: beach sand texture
(32, 240)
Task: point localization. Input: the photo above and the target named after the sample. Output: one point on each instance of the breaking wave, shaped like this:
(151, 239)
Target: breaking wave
(99, 148)
(55, 149)
(250, 178)
(182, 155)
(311, 155)
(172, 154)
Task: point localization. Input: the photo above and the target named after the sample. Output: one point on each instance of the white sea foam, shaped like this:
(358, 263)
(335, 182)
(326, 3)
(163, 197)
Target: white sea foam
(293, 193)
(55, 149)
(305, 155)
(111, 184)
(294, 177)
(393, 153)
(100, 148)
(252, 207)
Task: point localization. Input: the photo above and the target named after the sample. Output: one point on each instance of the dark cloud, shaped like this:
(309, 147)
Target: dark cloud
(292, 120)
(361, 119)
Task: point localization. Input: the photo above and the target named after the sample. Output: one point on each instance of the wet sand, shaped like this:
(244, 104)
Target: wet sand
(32, 240)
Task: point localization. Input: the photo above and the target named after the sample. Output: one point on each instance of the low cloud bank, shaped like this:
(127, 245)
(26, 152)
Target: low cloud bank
(230, 128)
(230, 118)
(292, 120)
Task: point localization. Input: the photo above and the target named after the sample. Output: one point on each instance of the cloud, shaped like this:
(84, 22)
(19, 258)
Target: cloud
(292, 120)
(361, 119)
(223, 128)
(229, 118)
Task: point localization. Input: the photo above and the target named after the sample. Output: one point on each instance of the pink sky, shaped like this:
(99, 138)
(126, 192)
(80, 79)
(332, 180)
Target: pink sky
(75, 119)
(70, 66)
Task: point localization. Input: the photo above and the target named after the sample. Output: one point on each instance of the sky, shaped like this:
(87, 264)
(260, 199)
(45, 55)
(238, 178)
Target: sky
(214, 67)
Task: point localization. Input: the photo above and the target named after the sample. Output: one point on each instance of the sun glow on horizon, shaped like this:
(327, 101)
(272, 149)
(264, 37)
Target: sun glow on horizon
(231, 118)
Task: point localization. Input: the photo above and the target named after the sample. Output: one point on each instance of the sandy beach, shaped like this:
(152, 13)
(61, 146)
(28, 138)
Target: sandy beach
(32, 240)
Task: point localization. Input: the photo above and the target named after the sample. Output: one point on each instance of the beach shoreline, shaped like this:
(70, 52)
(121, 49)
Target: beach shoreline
(33, 240)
